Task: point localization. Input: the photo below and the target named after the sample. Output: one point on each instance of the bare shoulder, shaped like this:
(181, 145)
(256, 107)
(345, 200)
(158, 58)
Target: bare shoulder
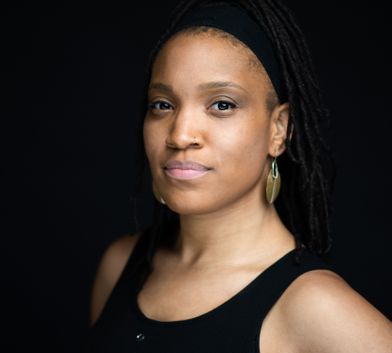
(111, 265)
(322, 313)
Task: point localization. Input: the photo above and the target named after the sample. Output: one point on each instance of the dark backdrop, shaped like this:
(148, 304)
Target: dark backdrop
(72, 74)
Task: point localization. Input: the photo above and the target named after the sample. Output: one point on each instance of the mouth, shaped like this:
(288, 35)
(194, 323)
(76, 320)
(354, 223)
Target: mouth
(185, 170)
(185, 174)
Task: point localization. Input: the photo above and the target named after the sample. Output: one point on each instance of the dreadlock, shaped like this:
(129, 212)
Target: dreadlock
(304, 204)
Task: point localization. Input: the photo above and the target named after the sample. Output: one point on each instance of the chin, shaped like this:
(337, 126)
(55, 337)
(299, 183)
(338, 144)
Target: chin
(191, 207)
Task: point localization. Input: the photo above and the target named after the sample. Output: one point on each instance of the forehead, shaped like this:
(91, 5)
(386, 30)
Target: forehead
(206, 54)
(225, 36)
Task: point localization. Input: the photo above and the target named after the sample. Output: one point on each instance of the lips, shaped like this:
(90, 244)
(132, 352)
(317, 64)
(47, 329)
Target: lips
(185, 170)
(185, 165)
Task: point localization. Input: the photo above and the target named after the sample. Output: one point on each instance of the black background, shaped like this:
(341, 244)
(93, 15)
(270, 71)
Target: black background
(72, 74)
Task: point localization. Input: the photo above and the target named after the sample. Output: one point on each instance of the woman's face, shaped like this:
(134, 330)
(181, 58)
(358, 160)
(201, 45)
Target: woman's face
(204, 89)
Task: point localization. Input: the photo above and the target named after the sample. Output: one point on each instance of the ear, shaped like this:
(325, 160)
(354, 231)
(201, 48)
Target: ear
(278, 129)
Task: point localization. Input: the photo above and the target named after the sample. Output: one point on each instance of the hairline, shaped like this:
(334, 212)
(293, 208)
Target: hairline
(255, 64)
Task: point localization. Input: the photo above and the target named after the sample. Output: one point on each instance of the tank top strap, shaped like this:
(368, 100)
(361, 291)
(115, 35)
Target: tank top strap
(252, 305)
(135, 260)
(121, 296)
(278, 277)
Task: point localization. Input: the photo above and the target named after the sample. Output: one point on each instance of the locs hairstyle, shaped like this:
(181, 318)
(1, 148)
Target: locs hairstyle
(307, 166)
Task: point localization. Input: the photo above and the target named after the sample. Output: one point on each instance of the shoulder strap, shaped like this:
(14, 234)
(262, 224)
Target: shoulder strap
(254, 306)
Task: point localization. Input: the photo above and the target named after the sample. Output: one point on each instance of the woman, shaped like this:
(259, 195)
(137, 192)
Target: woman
(243, 181)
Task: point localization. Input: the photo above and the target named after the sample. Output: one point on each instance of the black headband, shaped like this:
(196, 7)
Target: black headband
(235, 20)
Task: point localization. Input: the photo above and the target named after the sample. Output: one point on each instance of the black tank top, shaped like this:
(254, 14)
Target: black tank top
(232, 327)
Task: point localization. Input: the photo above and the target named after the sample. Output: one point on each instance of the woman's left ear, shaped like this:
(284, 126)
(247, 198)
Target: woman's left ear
(278, 129)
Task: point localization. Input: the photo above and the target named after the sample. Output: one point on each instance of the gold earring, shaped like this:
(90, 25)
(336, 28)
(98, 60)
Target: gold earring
(273, 182)
(157, 194)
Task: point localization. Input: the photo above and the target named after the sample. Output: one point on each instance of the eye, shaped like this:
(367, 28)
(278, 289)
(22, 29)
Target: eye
(159, 105)
(224, 105)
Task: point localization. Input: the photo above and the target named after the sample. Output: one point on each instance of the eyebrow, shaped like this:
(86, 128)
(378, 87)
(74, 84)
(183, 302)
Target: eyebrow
(220, 84)
(161, 86)
(208, 85)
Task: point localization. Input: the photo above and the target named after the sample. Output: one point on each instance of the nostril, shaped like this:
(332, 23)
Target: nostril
(182, 142)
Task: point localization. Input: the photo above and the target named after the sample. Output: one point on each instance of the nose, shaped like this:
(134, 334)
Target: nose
(184, 132)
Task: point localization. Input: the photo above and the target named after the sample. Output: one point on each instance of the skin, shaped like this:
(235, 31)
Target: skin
(236, 142)
(228, 232)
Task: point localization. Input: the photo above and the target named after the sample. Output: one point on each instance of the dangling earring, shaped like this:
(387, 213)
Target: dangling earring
(157, 194)
(273, 182)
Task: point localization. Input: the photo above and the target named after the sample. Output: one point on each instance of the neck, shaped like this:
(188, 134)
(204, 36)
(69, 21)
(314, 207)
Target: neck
(236, 234)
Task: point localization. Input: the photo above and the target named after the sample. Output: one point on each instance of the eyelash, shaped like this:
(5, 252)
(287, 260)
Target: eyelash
(154, 104)
(232, 106)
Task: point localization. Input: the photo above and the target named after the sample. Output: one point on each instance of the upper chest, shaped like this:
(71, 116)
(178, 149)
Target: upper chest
(172, 296)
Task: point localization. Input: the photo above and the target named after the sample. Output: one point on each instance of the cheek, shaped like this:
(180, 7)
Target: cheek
(246, 147)
(151, 140)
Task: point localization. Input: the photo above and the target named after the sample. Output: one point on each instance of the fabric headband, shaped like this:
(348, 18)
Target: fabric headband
(234, 19)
